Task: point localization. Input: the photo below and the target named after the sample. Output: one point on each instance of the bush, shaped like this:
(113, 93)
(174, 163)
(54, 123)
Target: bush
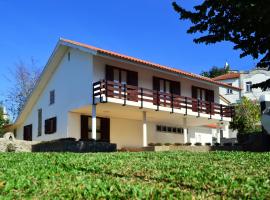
(67, 139)
(217, 144)
(227, 144)
(158, 144)
(198, 144)
(167, 144)
(208, 144)
(10, 148)
(178, 144)
(188, 144)
(151, 144)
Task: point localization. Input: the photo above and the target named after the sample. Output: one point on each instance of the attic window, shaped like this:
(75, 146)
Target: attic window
(52, 97)
(68, 56)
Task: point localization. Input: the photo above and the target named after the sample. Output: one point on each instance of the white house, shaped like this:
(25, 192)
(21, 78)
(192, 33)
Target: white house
(86, 92)
(243, 80)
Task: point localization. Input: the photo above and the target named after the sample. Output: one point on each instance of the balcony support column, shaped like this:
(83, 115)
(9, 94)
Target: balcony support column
(185, 129)
(94, 122)
(144, 130)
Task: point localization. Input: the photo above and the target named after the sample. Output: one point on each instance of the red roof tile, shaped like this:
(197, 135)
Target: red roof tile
(136, 60)
(227, 76)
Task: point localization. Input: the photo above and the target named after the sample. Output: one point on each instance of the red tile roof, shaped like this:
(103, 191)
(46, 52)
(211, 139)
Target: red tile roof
(227, 76)
(212, 126)
(136, 60)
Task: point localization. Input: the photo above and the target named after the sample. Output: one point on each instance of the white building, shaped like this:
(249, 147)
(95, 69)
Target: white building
(87, 92)
(243, 80)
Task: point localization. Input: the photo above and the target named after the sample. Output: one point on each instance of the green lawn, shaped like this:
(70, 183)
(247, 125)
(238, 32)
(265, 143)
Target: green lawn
(135, 175)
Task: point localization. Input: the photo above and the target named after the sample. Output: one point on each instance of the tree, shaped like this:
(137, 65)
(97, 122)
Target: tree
(263, 85)
(216, 71)
(23, 80)
(244, 23)
(3, 119)
(247, 116)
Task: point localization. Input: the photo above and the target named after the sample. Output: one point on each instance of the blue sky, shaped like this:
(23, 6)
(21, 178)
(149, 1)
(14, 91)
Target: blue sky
(146, 29)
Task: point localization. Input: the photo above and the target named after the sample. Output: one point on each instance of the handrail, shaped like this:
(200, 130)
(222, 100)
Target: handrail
(106, 88)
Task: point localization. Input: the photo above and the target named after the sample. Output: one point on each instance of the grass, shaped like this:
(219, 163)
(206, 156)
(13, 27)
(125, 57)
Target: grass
(170, 175)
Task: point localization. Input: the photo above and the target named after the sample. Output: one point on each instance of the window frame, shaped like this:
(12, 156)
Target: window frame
(39, 122)
(52, 97)
(248, 86)
(52, 126)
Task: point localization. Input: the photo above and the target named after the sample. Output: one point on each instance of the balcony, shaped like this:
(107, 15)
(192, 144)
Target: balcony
(114, 92)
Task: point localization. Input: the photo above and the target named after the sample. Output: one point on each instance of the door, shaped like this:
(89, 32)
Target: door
(205, 96)
(103, 128)
(163, 89)
(122, 77)
(27, 132)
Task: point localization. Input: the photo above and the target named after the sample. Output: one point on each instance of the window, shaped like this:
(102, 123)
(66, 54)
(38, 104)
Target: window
(98, 128)
(229, 91)
(68, 56)
(39, 122)
(169, 129)
(248, 86)
(52, 97)
(50, 125)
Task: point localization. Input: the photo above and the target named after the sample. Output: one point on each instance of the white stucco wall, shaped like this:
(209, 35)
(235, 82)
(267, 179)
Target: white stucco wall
(72, 84)
(201, 134)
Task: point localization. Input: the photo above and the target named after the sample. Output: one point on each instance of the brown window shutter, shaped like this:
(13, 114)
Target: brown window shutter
(156, 83)
(194, 92)
(54, 120)
(210, 95)
(84, 127)
(176, 87)
(109, 73)
(105, 129)
(132, 78)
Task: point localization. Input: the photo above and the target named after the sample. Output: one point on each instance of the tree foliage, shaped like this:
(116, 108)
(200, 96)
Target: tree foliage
(3, 119)
(215, 71)
(23, 80)
(244, 23)
(247, 116)
(265, 85)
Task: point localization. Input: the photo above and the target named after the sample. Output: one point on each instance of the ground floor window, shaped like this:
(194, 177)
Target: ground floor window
(169, 129)
(90, 128)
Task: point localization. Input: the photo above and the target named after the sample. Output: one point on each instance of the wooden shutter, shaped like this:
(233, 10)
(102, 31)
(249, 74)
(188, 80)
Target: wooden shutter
(132, 78)
(109, 73)
(84, 127)
(156, 87)
(54, 126)
(195, 96)
(175, 87)
(210, 97)
(105, 129)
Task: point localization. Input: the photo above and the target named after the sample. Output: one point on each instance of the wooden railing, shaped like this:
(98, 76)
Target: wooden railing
(104, 89)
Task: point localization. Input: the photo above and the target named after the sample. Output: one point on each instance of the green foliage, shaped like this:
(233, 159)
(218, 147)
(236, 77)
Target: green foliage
(3, 120)
(215, 71)
(247, 116)
(244, 23)
(147, 175)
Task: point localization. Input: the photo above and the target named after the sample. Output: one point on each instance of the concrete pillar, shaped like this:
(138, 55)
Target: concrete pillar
(144, 130)
(185, 130)
(94, 122)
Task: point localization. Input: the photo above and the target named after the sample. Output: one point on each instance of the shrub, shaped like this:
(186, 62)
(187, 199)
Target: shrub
(158, 144)
(178, 144)
(167, 144)
(10, 148)
(227, 144)
(208, 144)
(217, 144)
(67, 139)
(151, 144)
(198, 144)
(188, 144)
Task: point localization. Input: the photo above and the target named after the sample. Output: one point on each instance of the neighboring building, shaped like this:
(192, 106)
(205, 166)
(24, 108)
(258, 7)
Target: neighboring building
(243, 80)
(86, 92)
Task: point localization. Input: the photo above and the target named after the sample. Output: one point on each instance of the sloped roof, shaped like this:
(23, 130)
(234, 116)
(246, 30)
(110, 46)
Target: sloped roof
(139, 61)
(227, 76)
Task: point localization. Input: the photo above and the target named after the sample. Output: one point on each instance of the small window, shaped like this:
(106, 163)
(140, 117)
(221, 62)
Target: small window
(158, 128)
(169, 129)
(52, 97)
(39, 122)
(68, 56)
(50, 125)
(248, 86)
(164, 128)
(229, 90)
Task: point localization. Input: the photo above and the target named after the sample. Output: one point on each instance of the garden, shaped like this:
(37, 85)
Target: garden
(143, 175)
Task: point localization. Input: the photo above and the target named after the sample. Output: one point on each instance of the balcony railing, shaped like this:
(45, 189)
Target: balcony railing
(104, 89)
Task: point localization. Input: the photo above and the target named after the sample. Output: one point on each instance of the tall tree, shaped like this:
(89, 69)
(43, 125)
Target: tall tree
(216, 71)
(23, 80)
(3, 119)
(244, 23)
